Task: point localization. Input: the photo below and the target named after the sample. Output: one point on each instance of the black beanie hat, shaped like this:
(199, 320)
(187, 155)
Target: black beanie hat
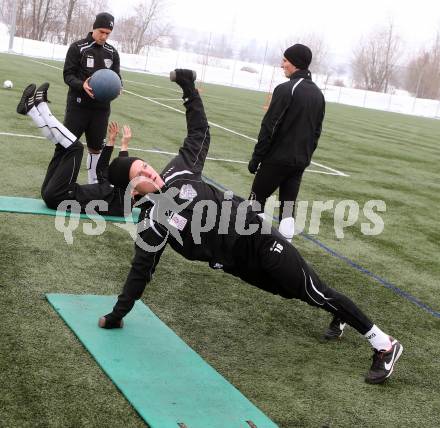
(119, 169)
(104, 20)
(299, 55)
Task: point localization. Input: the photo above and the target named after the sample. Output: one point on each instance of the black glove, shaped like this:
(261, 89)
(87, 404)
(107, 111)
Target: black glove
(253, 165)
(108, 322)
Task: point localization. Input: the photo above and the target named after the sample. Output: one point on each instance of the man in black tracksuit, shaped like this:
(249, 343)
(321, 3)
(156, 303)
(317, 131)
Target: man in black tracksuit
(84, 114)
(60, 184)
(288, 137)
(201, 223)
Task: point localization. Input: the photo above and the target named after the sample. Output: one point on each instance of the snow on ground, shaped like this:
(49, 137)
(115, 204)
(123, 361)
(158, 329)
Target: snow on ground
(231, 73)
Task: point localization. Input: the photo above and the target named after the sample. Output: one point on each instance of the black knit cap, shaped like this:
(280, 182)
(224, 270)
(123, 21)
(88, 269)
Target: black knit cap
(104, 20)
(119, 169)
(299, 55)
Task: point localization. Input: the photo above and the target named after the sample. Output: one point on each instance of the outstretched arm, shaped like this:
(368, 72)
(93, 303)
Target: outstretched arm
(149, 247)
(104, 159)
(196, 144)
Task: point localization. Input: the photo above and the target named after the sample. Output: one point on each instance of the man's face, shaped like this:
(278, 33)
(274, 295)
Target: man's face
(287, 67)
(147, 180)
(100, 35)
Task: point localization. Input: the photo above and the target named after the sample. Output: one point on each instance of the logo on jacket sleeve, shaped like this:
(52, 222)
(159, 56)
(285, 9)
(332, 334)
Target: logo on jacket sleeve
(187, 192)
(276, 247)
(108, 62)
(177, 221)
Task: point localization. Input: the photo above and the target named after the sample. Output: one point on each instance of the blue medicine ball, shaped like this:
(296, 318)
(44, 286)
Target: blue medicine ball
(106, 85)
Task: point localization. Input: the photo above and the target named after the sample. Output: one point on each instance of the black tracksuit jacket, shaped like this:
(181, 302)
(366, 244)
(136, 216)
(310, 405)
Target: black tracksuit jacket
(103, 190)
(292, 125)
(83, 58)
(183, 176)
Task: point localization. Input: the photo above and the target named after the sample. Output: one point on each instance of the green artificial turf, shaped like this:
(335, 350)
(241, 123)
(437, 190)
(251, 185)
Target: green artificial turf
(269, 348)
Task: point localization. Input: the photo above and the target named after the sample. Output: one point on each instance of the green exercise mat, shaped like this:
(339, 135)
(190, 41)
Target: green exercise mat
(38, 207)
(168, 383)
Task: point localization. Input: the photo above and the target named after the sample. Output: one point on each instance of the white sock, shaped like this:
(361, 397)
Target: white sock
(378, 339)
(92, 162)
(287, 228)
(35, 115)
(62, 135)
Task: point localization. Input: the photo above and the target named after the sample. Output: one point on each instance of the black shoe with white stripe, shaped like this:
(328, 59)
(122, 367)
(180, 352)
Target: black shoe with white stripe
(41, 94)
(383, 363)
(335, 330)
(27, 100)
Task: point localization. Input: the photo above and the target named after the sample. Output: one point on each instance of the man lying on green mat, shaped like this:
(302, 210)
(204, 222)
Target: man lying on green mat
(60, 182)
(202, 223)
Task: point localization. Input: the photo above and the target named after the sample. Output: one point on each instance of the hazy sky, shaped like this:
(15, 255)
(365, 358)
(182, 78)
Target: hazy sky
(340, 22)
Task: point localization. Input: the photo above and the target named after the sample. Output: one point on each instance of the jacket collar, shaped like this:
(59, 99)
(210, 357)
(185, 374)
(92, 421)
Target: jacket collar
(305, 74)
(90, 38)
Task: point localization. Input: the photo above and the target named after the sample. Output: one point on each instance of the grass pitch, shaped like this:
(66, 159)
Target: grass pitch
(269, 348)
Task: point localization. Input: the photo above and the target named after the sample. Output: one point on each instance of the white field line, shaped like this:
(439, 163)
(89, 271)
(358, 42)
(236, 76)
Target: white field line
(153, 86)
(216, 125)
(216, 159)
(136, 149)
(10, 134)
(47, 65)
(153, 100)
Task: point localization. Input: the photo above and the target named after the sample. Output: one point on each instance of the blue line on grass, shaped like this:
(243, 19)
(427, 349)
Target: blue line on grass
(382, 281)
(351, 263)
(354, 265)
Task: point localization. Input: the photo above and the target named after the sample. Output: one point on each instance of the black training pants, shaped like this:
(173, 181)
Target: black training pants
(61, 175)
(270, 177)
(91, 122)
(272, 264)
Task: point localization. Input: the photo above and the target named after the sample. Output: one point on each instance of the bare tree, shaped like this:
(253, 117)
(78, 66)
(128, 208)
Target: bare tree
(145, 28)
(423, 73)
(375, 59)
(70, 7)
(5, 11)
(318, 47)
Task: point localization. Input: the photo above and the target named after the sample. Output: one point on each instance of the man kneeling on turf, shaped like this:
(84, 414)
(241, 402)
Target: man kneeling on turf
(60, 182)
(178, 203)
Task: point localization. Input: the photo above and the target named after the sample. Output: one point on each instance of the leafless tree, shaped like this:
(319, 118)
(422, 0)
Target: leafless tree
(423, 73)
(5, 11)
(375, 59)
(145, 28)
(318, 47)
(54, 20)
(69, 14)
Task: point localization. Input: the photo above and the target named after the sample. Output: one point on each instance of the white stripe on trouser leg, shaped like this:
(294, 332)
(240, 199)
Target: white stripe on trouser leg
(36, 117)
(287, 227)
(62, 134)
(92, 162)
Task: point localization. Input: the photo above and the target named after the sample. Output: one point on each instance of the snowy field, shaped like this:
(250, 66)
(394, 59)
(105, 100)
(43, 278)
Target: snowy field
(230, 72)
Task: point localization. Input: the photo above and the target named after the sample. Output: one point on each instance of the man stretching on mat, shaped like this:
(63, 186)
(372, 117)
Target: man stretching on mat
(233, 237)
(60, 182)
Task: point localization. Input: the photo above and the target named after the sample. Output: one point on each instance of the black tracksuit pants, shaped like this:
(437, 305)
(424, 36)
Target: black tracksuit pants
(270, 263)
(91, 122)
(61, 175)
(269, 178)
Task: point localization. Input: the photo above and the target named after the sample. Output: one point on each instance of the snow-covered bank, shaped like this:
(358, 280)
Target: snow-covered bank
(232, 73)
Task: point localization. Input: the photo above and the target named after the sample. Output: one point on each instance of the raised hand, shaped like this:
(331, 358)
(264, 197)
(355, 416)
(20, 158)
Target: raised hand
(113, 132)
(126, 137)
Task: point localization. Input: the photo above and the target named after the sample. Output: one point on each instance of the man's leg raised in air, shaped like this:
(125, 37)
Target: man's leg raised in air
(64, 166)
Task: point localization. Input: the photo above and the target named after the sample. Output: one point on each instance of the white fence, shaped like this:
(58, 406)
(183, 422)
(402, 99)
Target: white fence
(235, 73)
